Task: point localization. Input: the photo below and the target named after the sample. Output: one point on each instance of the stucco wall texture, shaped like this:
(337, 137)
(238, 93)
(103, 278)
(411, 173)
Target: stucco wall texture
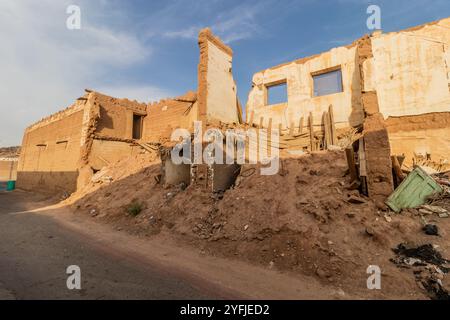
(409, 71)
(8, 169)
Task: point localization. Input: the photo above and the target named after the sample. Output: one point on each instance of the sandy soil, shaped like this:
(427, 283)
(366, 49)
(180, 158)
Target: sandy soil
(300, 221)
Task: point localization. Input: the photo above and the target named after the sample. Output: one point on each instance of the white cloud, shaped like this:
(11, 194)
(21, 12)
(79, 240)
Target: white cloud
(189, 33)
(237, 23)
(44, 66)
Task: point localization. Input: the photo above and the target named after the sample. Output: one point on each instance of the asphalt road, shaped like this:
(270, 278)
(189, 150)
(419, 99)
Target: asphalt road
(35, 252)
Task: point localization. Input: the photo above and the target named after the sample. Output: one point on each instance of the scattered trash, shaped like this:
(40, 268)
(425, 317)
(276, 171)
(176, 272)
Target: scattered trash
(370, 231)
(429, 269)
(350, 214)
(434, 209)
(431, 230)
(246, 227)
(182, 186)
(101, 177)
(428, 170)
(424, 252)
(413, 191)
(413, 262)
(445, 182)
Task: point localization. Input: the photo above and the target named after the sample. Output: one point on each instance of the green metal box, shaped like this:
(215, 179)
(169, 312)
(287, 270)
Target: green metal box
(413, 191)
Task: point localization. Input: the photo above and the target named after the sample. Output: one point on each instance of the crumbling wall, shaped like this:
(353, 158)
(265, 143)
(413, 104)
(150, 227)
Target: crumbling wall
(300, 98)
(168, 114)
(106, 152)
(116, 116)
(8, 169)
(51, 152)
(108, 126)
(410, 70)
(217, 93)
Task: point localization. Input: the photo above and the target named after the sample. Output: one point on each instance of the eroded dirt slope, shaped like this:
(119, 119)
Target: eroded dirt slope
(300, 220)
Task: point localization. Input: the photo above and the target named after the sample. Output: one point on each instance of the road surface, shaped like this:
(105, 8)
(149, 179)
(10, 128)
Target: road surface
(35, 252)
(39, 241)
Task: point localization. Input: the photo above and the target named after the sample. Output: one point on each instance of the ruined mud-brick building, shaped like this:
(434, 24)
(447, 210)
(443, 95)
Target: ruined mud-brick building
(400, 77)
(385, 94)
(63, 151)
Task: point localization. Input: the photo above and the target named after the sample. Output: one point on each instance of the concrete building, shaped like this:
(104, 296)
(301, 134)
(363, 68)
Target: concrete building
(404, 75)
(62, 152)
(8, 169)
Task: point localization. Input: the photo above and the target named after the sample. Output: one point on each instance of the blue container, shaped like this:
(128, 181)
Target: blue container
(10, 185)
(3, 185)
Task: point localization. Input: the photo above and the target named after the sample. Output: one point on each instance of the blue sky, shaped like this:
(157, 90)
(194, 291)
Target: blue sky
(148, 50)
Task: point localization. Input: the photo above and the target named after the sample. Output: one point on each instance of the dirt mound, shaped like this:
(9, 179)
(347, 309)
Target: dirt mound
(303, 219)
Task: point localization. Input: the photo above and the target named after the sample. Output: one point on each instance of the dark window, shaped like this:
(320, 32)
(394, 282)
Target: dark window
(137, 126)
(327, 83)
(277, 93)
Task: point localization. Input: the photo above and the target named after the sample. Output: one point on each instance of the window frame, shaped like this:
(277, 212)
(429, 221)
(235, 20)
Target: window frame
(267, 86)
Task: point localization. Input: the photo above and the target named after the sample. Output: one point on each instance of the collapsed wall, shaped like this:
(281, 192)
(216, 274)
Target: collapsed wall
(63, 151)
(410, 70)
(300, 100)
(377, 168)
(217, 93)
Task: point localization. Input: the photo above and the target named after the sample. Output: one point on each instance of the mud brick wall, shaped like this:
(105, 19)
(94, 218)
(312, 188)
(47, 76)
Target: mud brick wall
(380, 183)
(104, 152)
(8, 170)
(51, 152)
(376, 139)
(166, 115)
(421, 135)
(217, 92)
(116, 116)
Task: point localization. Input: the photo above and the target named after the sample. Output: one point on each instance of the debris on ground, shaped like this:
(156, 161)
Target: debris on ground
(424, 252)
(299, 222)
(429, 210)
(431, 230)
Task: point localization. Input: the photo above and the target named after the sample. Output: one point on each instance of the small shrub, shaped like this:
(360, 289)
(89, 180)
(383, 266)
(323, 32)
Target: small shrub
(134, 208)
